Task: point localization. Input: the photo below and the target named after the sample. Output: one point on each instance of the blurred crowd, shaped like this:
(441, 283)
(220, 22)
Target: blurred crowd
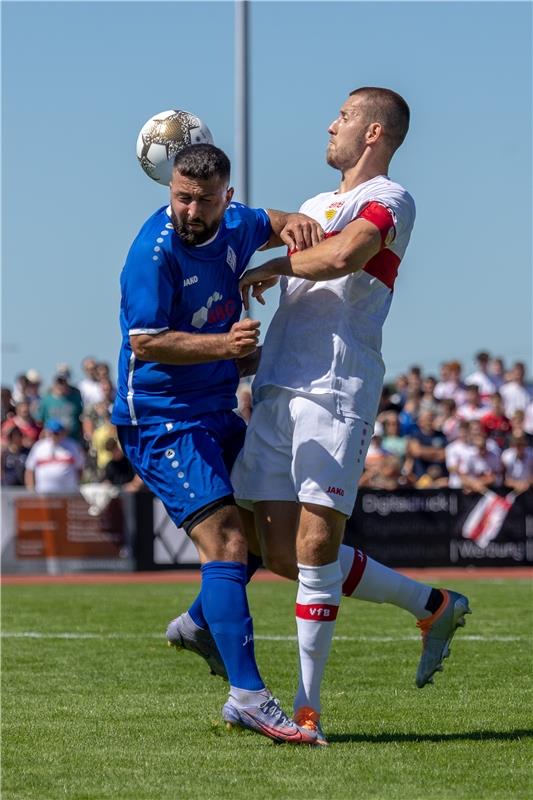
(473, 432)
(55, 439)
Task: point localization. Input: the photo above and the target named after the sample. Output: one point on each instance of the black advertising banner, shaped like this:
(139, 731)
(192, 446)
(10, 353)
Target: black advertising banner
(443, 527)
(404, 528)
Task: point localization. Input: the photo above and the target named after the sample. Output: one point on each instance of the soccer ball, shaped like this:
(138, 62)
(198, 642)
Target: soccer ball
(163, 136)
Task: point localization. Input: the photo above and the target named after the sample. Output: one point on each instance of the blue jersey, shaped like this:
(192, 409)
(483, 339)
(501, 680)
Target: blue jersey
(167, 285)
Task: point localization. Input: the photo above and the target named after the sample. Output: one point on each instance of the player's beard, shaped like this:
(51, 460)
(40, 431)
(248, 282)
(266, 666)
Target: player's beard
(343, 158)
(194, 236)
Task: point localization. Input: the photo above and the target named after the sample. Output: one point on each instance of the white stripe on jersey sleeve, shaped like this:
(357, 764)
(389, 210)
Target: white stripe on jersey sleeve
(151, 331)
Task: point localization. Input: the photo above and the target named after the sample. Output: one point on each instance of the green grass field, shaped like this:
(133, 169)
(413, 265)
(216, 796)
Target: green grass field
(96, 706)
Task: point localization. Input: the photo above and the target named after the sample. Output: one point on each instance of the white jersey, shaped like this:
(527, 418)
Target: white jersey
(457, 454)
(519, 468)
(515, 397)
(325, 338)
(56, 467)
(484, 383)
(478, 464)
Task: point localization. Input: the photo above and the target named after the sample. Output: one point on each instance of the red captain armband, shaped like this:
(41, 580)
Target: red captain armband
(380, 216)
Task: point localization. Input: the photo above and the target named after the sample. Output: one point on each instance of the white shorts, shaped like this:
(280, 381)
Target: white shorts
(296, 449)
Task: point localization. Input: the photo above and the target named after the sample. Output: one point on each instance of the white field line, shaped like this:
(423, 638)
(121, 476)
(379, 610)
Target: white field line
(137, 637)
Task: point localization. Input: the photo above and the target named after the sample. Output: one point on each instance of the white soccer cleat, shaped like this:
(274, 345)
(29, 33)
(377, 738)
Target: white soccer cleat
(437, 633)
(267, 718)
(183, 634)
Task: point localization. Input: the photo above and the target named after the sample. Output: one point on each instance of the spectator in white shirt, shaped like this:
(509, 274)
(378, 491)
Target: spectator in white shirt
(481, 378)
(516, 394)
(518, 465)
(55, 463)
(89, 386)
(457, 454)
(450, 384)
(482, 469)
(473, 407)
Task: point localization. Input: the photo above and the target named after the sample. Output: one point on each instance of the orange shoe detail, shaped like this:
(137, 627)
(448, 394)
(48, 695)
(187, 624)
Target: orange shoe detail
(309, 719)
(426, 623)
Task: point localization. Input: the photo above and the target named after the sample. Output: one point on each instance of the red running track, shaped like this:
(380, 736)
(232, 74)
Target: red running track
(263, 576)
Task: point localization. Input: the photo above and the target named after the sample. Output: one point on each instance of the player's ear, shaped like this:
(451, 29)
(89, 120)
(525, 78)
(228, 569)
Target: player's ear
(229, 195)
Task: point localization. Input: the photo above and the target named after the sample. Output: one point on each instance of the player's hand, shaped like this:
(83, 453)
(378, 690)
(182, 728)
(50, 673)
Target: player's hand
(242, 338)
(301, 231)
(258, 280)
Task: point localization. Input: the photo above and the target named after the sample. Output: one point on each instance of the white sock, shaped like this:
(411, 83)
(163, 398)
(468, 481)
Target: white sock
(245, 697)
(317, 604)
(366, 579)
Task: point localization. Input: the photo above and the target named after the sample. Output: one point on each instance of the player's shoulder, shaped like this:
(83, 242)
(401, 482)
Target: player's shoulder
(384, 188)
(156, 231)
(239, 215)
(153, 244)
(317, 201)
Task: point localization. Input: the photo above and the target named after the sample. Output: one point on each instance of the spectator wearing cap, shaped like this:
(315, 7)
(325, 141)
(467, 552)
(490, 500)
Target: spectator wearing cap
(73, 391)
(13, 458)
(518, 464)
(481, 378)
(89, 386)
(516, 393)
(28, 388)
(23, 420)
(61, 406)
(55, 462)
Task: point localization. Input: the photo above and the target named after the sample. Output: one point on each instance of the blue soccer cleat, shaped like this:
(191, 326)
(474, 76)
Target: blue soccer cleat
(437, 633)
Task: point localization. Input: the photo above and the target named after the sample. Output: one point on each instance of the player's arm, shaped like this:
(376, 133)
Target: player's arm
(180, 347)
(149, 294)
(248, 365)
(335, 257)
(297, 231)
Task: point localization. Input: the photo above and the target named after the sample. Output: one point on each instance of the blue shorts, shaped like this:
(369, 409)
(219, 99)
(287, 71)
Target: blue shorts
(186, 463)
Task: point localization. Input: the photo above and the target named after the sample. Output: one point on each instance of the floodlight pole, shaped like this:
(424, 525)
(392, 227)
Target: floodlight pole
(241, 102)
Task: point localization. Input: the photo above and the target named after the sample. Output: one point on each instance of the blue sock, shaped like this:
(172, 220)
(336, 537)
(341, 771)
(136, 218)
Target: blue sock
(196, 611)
(225, 607)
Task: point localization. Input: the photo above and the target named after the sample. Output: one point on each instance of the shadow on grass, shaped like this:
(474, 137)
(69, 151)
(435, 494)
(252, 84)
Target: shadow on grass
(467, 736)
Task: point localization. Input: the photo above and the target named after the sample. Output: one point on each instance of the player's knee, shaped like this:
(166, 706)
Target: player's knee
(281, 564)
(235, 547)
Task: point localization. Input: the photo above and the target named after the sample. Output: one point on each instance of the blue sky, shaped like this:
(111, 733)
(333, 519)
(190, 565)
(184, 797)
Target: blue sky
(80, 79)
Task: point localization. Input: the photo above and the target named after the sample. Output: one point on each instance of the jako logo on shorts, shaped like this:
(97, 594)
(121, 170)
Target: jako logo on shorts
(335, 490)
